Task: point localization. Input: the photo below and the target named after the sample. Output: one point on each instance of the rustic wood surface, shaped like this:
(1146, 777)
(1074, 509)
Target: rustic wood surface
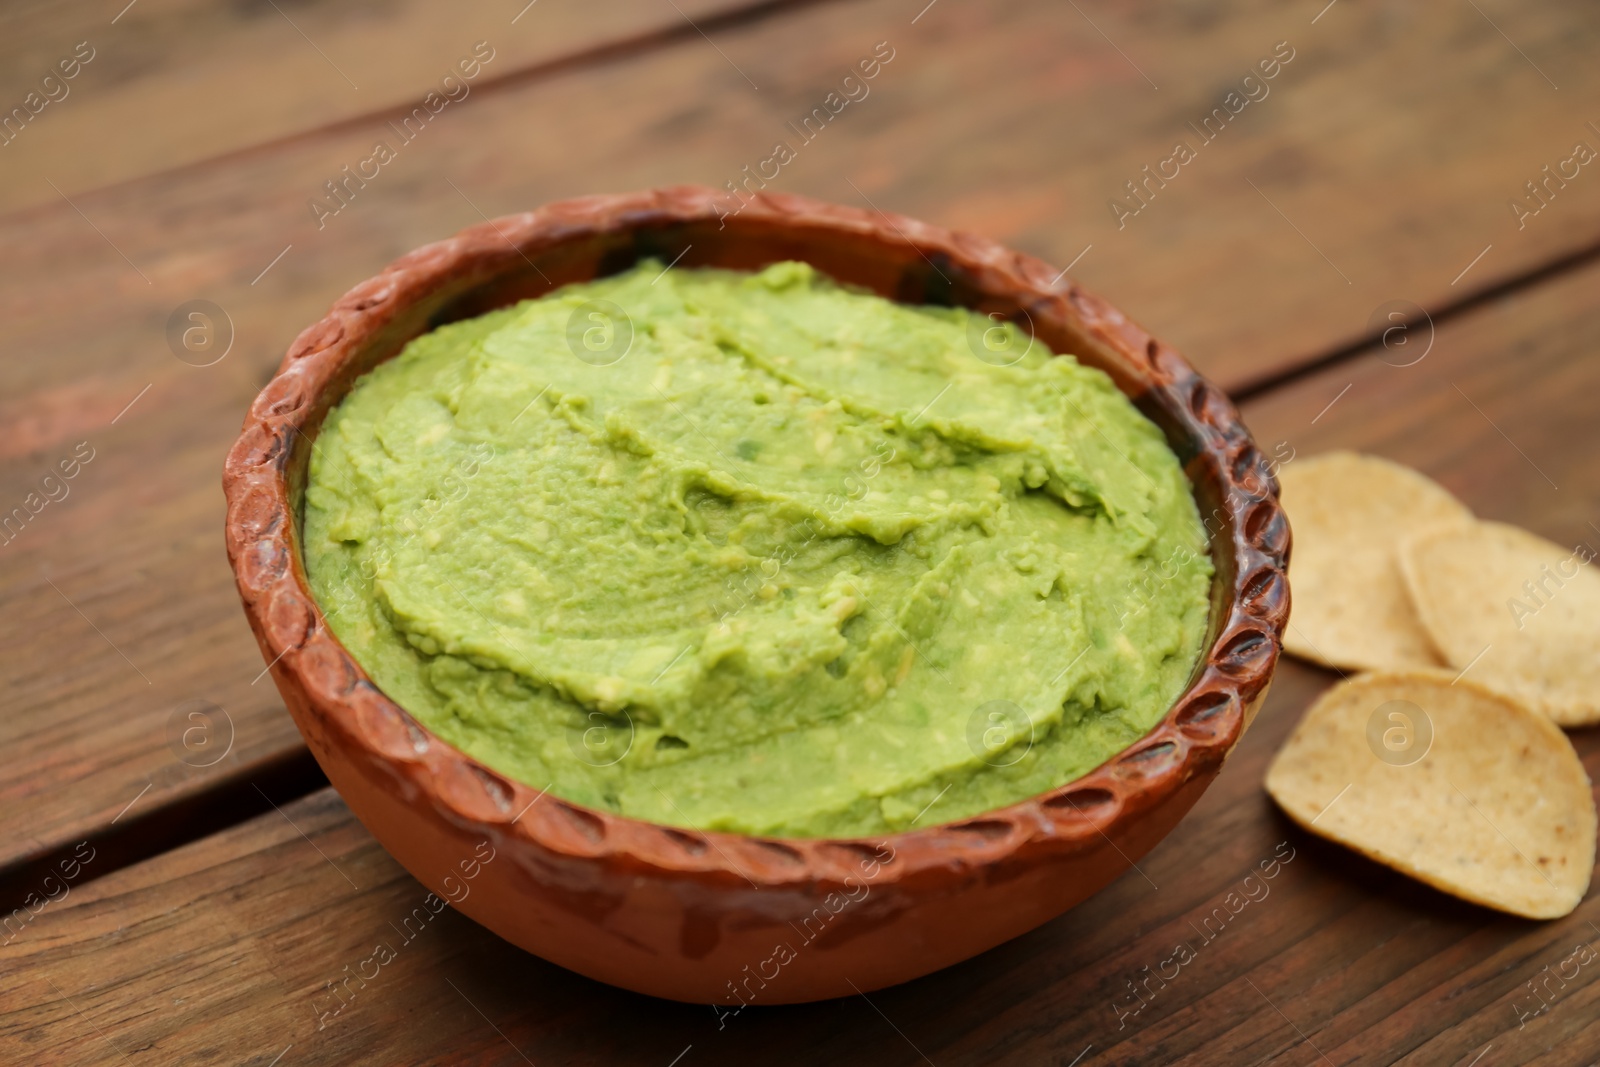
(1015, 122)
(223, 949)
(190, 147)
(176, 81)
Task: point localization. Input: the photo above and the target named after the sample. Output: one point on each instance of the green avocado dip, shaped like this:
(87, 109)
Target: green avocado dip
(759, 552)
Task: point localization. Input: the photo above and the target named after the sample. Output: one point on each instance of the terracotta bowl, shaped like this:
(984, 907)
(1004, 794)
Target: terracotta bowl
(713, 917)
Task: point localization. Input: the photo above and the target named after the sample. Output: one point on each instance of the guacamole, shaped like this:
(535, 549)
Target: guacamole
(759, 552)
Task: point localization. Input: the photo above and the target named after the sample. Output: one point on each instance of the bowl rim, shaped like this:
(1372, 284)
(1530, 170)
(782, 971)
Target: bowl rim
(1191, 740)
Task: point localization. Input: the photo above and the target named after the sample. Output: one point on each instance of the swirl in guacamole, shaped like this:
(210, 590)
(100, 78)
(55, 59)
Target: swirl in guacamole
(759, 552)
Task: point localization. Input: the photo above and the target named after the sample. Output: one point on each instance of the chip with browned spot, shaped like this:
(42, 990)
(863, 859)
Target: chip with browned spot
(1451, 783)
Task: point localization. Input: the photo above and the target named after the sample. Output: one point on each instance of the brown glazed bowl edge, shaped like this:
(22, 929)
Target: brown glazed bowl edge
(715, 917)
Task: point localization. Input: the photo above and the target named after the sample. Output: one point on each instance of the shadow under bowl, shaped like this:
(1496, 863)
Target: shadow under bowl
(715, 917)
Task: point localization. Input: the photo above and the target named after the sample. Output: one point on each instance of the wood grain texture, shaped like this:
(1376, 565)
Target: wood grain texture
(1391, 139)
(175, 81)
(1391, 144)
(223, 950)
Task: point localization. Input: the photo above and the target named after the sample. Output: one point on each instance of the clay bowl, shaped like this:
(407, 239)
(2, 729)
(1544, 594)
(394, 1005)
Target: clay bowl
(713, 917)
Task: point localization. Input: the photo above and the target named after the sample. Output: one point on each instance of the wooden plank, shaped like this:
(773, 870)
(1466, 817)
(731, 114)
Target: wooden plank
(169, 82)
(1013, 121)
(225, 948)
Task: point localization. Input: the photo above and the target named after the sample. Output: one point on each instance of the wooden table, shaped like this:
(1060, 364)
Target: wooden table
(218, 886)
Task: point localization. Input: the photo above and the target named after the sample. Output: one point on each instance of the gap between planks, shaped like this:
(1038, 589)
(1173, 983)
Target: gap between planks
(170, 825)
(1529, 278)
(595, 55)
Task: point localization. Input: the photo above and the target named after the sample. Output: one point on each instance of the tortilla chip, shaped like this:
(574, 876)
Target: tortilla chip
(1349, 513)
(1529, 606)
(1494, 807)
